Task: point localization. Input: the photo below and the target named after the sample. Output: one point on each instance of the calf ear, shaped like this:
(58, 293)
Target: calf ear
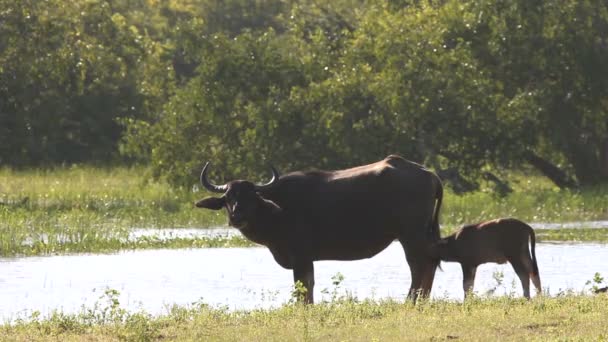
(213, 203)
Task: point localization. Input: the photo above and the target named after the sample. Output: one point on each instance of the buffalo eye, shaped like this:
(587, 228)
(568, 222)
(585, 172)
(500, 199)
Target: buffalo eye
(232, 197)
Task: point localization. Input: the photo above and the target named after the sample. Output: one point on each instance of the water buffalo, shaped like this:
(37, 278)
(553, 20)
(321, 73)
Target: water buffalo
(348, 214)
(495, 241)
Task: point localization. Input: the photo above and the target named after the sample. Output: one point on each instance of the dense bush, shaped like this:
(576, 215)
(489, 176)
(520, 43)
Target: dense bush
(472, 86)
(67, 71)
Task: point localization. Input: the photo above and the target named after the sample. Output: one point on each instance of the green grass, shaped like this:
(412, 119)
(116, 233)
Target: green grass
(120, 196)
(84, 209)
(534, 199)
(569, 317)
(572, 235)
(558, 235)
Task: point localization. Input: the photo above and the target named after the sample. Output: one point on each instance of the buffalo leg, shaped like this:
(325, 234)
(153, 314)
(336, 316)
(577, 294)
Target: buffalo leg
(524, 276)
(468, 278)
(428, 277)
(422, 269)
(304, 272)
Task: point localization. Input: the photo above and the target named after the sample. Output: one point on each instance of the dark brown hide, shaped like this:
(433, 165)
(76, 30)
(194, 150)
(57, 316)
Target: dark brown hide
(340, 215)
(496, 241)
(601, 290)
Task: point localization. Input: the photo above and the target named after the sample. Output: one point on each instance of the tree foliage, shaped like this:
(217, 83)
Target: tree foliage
(473, 86)
(67, 71)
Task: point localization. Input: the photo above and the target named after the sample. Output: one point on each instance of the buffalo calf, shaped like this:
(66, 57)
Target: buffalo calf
(495, 241)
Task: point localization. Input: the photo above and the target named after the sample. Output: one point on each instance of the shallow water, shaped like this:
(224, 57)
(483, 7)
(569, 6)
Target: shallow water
(226, 232)
(246, 278)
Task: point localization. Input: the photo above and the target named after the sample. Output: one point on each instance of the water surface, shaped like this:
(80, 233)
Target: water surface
(246, 278)
(224, 231)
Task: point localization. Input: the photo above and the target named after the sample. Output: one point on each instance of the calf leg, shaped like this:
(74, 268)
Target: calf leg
(532, 268)
(304, 272)
(524, 275)
(468, 278)
(536, 281)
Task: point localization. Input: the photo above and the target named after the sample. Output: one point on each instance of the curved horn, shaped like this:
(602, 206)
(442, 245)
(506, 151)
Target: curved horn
(220, 189)
(275, 178)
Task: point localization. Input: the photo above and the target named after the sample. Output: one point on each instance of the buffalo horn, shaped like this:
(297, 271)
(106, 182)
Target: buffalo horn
(208, 185)
(275, 178)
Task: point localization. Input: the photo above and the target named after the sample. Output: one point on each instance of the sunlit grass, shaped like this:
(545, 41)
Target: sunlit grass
(572, 235)
(120, 193)
(566, 317)
(85, 209)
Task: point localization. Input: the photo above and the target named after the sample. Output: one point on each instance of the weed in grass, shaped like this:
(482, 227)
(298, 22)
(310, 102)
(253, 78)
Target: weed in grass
(595, 283)
(572, 235)
(298, 293)
(336, 281)
(498, 277)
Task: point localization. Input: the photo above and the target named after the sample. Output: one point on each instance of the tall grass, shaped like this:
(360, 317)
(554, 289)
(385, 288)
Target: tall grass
(85, 209)
(89, 209)
(120, 194)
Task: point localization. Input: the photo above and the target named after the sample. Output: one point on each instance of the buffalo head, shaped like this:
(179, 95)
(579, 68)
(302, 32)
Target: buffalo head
(442, 249)
(241, 198)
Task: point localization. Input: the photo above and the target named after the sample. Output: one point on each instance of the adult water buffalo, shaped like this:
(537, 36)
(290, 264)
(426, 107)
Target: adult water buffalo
(348, 214)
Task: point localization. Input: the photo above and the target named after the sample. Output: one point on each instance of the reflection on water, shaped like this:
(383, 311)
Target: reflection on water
(172, 233)
(226, 232)
(182, 233)
(245, 278)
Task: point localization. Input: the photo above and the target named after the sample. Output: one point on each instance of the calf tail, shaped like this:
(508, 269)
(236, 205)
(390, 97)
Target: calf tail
(533, 250)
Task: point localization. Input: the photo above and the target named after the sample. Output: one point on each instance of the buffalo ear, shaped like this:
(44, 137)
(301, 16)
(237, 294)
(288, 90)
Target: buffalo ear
(213, 203)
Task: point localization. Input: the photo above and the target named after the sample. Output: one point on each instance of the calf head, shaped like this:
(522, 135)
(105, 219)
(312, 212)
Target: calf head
(444, 249)
(241, 199)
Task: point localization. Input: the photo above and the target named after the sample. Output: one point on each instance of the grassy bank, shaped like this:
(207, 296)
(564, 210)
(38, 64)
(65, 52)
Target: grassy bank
(118, 197)
(565, 318)
(82, 209)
